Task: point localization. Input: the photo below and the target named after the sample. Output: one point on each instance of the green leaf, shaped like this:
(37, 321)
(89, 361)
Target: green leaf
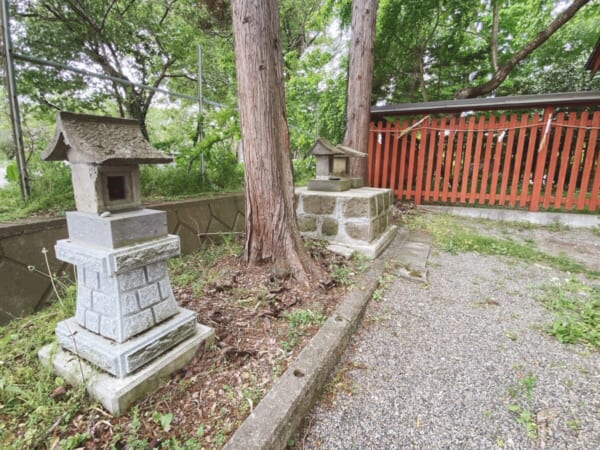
(12, 173)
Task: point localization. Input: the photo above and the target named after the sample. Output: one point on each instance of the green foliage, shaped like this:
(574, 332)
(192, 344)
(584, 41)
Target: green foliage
(51, 192)
(576, 307)
(438, 53)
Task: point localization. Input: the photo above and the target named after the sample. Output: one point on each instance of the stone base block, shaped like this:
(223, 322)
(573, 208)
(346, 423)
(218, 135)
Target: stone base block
(122, 359)
(343, 184)
(118, 394)
(118, 229)
(359, 219)
(371, 250)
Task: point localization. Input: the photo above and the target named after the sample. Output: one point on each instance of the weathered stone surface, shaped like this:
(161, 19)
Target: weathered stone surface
(319, 204)
(27, 248)
(141, 255)
(329, 227)
(132, 279)
(118, 394)
(189, 240)
(216, 226)
(156, 271)
(225, 211)
(340, 185)
(196, 218)
(119, 229)
(149, 295)
(121, 359)
(307, 224)
(358, 207)
(359, 231)
(20, 290)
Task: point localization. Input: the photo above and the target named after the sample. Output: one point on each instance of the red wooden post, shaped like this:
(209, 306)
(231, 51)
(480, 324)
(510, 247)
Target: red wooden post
(516, 173)
(371, 151)
(458, 160)
(394, 159)
(582, 200)
(449, 158)
(595, 193)
(386, 157)
(477, 160)
(421, 154)
(412, 156)
(559, 198)
(527, 178)
(467, 165)
(379, 154)
(430, 157)
(540, 160)
(508, 158)
(487, 159)
(497, 144)
(554, 152)
(439, 160)
(576, 161)
(403, 176)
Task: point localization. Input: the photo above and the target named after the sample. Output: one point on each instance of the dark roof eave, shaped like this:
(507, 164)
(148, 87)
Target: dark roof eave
(496, 103)
(593, 62)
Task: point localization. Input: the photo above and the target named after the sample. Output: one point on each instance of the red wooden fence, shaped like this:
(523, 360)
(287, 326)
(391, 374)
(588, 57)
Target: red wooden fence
(534, 161)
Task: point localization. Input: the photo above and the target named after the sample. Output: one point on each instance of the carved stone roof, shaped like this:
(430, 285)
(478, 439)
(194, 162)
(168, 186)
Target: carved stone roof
(84, 138)
(322, 147)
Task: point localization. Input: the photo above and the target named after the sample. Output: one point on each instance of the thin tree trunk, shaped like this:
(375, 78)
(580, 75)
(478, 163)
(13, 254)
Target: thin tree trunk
(500, 75)
(272, 234)
(494, 40)
(360, 82)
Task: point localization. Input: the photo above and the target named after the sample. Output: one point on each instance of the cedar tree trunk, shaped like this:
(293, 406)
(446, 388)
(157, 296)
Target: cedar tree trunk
(360, 82)
(501, 73)
(272, 234)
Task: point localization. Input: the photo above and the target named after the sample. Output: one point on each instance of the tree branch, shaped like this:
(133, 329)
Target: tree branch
(502, 73)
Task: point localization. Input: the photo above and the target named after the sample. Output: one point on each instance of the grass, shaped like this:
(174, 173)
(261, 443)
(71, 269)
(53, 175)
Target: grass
(576, 309)
(454, 236)
(28, 408)
(35, 403)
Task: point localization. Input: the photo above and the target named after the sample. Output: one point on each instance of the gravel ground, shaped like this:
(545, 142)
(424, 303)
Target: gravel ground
(442, 365)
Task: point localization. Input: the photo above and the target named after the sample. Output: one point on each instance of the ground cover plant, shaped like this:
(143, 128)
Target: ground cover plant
(261, 323)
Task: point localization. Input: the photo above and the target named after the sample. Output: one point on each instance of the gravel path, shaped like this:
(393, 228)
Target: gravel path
(442, 365)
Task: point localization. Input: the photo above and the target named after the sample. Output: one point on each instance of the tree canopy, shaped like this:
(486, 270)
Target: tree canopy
(424, 50)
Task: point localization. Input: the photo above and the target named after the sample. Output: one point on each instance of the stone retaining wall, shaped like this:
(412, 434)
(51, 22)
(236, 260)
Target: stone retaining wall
(24, 284)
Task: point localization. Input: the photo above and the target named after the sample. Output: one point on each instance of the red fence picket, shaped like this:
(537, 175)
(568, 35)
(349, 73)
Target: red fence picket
(533, 161)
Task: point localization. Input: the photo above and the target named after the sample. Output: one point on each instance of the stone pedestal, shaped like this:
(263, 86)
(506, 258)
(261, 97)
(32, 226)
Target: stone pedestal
(359, 219)
(126, 316)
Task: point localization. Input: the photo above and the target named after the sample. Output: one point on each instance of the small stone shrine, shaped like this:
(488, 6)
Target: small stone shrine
(336, 208)
(127, 323)
(333, 166)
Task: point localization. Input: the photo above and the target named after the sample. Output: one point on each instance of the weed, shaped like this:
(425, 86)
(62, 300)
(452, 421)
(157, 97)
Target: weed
(596, 231)
(576, 308)
(299, 320)
(453, 236)
(164, 420)
(574, 424)
(524, 415)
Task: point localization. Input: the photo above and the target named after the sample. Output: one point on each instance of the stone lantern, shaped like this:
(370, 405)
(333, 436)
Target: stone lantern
(333, 165)
(126, 322)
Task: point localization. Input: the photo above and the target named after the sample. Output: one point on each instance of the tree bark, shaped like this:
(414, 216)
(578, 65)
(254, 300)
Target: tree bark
(360, 82)
(494, 40)
(272, 234)
(503, 71)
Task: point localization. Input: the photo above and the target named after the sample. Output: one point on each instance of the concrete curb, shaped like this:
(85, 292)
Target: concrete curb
(512, 215)
(281, 411)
